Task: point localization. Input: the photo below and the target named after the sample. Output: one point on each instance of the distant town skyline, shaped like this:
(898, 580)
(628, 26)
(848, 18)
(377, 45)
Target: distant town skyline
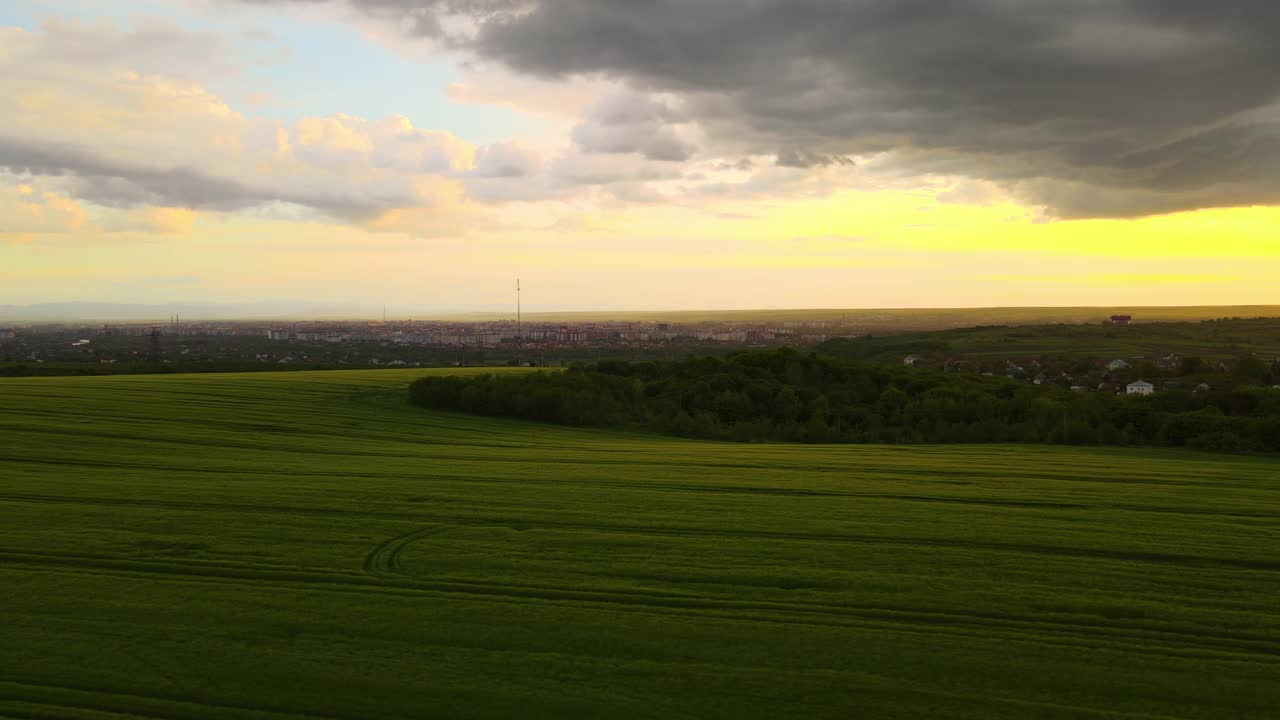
(622, 156)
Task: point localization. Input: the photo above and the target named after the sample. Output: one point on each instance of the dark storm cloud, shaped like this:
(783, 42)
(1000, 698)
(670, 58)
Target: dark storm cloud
(792, 157)
(117, 184)
(1164, 101)
(633, 123)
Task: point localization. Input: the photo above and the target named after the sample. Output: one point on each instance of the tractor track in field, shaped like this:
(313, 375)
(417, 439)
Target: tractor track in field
(606, 458)
(190, 441)
(37, 698)
(193, 506)
(1139, 556)
(385, 558)
(1159, 641)
(701, 488)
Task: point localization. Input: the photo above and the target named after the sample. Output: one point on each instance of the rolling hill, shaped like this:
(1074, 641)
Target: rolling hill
(307, 545)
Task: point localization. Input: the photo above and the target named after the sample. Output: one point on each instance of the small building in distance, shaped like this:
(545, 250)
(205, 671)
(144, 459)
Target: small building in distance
(1120, 320)
(1140, 387)
(1118, 365)
(910, 360)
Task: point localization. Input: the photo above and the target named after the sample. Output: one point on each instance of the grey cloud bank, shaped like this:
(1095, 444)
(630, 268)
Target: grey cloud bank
(1118, 108)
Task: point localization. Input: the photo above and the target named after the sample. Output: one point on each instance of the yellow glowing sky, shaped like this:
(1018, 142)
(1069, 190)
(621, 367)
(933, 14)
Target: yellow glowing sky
(348, 205)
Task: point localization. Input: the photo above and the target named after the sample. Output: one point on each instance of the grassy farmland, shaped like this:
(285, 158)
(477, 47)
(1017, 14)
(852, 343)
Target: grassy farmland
(297, 545)
(1218, 340)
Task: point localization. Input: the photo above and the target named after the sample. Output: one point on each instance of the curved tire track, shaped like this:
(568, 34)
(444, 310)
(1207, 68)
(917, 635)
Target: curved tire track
(385, 558)
(1136, 555)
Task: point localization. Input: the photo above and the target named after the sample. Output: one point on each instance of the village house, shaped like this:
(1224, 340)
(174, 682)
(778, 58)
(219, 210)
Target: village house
(1118, 365)
(1140, 387)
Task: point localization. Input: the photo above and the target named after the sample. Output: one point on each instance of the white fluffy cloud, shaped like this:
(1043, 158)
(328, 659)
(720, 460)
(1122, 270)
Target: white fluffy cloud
(73, 105)
(26, 211)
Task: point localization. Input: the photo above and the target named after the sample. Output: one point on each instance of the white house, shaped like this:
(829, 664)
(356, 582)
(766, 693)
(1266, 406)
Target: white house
(910, 360)
(1140, 387)
(1117, 365)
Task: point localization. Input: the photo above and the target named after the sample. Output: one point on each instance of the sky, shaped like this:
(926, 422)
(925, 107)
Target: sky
(628, 154)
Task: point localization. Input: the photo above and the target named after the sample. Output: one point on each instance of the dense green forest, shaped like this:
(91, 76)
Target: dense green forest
(784, 395)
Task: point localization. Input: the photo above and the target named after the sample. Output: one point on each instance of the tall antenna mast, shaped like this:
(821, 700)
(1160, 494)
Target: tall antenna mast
(519, 336)
(155, 354)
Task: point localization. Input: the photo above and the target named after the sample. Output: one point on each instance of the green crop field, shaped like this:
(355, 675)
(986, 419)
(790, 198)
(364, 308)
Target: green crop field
(1208, 340)
(307, 545)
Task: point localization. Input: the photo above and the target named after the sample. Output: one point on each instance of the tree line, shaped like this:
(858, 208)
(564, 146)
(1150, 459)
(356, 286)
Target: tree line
(785, 395)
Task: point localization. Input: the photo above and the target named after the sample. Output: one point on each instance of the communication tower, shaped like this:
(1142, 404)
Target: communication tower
(155, 335)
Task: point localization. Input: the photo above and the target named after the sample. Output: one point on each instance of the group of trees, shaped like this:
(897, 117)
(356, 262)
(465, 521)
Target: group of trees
(785, 395)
